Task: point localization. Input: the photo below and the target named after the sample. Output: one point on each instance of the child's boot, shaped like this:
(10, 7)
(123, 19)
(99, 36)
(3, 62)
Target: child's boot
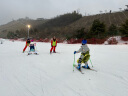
(79, 67)
(86, 66)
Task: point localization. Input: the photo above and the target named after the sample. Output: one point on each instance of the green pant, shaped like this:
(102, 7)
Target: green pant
(84, 57)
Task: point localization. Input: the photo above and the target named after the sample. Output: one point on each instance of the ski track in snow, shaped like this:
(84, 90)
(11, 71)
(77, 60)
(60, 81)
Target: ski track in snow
(52, 74)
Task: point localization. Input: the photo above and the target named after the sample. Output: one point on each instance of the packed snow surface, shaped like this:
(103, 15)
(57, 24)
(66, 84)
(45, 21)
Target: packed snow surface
(52, 75)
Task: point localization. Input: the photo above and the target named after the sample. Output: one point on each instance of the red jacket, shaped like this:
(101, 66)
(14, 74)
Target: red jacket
(28, 42)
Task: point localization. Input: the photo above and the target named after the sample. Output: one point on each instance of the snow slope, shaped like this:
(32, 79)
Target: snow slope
(52, 75)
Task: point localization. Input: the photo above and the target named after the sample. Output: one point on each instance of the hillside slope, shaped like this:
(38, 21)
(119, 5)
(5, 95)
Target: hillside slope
(61, 27)
(18, 25)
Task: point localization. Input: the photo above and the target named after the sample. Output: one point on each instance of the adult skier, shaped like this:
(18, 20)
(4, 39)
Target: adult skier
(27, 44)
(84, 57)
(53, 44)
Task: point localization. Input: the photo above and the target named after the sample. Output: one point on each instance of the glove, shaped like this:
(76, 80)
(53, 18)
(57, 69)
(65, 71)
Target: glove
(74, 52)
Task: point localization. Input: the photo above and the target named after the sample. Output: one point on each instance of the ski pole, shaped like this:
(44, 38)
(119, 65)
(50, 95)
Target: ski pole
(90, 62)
(74, 62)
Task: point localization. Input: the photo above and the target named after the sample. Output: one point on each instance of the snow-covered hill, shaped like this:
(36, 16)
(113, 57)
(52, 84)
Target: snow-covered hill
(52, 75)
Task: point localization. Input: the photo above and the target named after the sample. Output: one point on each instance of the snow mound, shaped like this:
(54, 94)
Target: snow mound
(115, 40)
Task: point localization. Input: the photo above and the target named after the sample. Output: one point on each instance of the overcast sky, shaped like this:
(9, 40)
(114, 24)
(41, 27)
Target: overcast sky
(15, 9)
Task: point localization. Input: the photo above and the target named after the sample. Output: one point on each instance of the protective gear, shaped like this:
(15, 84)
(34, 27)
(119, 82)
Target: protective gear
(84, 42)
(74, 52)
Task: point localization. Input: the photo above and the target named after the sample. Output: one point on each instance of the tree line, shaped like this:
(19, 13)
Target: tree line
(99, 30)
(57, 26)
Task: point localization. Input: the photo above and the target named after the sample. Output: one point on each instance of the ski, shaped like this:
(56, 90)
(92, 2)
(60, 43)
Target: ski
(90, 69)
(78, 69)
(54, 52)
(32, 53)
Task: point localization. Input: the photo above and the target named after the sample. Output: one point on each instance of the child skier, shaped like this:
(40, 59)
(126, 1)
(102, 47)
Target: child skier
(32, 48)
(27, 44)
(84, 55)
(53, 44)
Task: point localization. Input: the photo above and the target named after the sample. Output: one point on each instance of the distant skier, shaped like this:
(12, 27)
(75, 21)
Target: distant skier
(27, 44)
(1, 41)
(84, 55)
(32, 48)
(53, 45)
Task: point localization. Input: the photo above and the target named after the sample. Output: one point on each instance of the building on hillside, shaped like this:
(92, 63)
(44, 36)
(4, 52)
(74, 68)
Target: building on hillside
(126, 8)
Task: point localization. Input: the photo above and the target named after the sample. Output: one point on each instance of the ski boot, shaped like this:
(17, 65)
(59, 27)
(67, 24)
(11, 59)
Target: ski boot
(54, 51)
(35, 53)
(79, 67)
(87, 67)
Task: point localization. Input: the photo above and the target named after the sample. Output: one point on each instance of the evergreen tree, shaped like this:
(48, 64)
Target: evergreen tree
(112, 30)
(80, 33)
(10, 35)
(17, 33)
(124, 29)
(97, 29)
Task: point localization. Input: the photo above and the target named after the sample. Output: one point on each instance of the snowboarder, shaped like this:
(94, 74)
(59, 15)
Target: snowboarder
(27, 44)
(53, 44)
(84, 55)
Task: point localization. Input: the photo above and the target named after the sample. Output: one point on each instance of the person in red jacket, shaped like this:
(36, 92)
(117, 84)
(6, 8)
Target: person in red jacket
(27, 44)
(53, 45)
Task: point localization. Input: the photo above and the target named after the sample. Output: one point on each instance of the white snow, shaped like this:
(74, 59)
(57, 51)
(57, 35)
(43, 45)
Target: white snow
(52, 75)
